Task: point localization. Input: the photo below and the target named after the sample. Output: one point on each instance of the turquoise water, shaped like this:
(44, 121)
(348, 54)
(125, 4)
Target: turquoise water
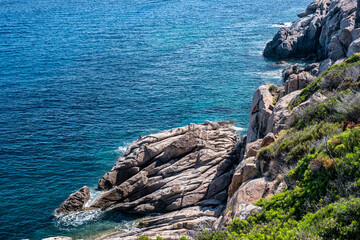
(79, 80)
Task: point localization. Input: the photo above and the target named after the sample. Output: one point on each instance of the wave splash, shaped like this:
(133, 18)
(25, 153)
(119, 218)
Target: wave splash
(285, 24)
(79, 218)
(76, 219)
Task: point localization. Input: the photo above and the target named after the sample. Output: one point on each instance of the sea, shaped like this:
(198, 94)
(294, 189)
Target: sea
(82, 79)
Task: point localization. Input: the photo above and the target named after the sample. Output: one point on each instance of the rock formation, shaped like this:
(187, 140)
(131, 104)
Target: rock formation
(324, 33)
(75, 202)
(183, 173)
(324, 30)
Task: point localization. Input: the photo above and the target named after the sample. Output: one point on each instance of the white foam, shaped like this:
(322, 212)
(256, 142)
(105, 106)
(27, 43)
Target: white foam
(238, 129)
(274, 74)
(94, 193)
(121, 149)
(77, 218)
(286, 24)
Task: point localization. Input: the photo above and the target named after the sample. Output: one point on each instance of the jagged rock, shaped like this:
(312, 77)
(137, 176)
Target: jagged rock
(316, 97)
(185, 222)
(260, 111)
(183, 172)
(280, 116)
(287, 72)
(246, 170)
(245, 210)
(268, 139)
(248, 193)
(252, 149)
(323, 30)
(298, 81)
(312, 68)
(75, 202)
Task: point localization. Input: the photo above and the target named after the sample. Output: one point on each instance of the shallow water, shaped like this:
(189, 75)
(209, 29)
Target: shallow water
(79, 80)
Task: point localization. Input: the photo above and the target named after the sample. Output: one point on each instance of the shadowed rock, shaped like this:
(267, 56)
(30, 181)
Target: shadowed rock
(324, 30)
(75, 202)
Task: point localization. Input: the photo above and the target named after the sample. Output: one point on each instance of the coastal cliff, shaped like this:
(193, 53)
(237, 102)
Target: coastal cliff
(298, 162)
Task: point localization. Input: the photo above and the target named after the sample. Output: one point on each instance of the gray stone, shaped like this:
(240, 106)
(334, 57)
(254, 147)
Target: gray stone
(75, 202)
(260, 111)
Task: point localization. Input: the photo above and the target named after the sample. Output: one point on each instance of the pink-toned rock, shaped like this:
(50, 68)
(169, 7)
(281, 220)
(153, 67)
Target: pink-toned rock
(248, 193)
(260, 112)
(246, 170)
(253, 148)
(268, 139)
(280, 116)
(298, 81)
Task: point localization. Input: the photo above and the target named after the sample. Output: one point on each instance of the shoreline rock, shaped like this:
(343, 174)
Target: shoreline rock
(75, 202)
(182, 173)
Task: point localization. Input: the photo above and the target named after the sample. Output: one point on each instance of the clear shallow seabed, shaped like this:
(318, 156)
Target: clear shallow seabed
(79, 80)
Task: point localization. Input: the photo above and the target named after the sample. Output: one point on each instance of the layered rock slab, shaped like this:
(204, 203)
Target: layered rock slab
(172, 170)
(182, 173)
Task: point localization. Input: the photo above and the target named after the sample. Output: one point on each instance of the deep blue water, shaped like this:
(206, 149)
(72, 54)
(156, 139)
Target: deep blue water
(81, 79)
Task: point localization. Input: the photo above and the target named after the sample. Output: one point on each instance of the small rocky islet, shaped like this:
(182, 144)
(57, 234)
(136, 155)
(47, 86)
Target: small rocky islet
(204, 176)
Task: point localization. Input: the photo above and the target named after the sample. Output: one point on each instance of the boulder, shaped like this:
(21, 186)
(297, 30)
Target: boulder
(260, 112)
(281, 114)
(247, 169)
(325, 64)
(248, 193)
(75, 202)
(353, 48)
(252, 149)
(245, 210)
(298, 81)
(268, 139)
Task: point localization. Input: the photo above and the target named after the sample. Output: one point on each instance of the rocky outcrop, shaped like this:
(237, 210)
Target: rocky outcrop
(261, 109)
(281, 114)
(185, 222)
(324, 30)
(75, 202)
(183, 173)
(240, 205)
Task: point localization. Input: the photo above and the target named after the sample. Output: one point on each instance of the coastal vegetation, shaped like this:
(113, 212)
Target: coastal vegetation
(321, 149)
(323, 143)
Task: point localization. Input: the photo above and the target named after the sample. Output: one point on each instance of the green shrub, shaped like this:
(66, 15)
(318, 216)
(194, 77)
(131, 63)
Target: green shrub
(143, 238)
(306, 93)
(213, 235)
(333, 78)
(293, 145)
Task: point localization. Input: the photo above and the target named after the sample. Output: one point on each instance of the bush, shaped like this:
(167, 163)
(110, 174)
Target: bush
(334, 109)
(292, 146)
(336, 77)
(306, 93)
